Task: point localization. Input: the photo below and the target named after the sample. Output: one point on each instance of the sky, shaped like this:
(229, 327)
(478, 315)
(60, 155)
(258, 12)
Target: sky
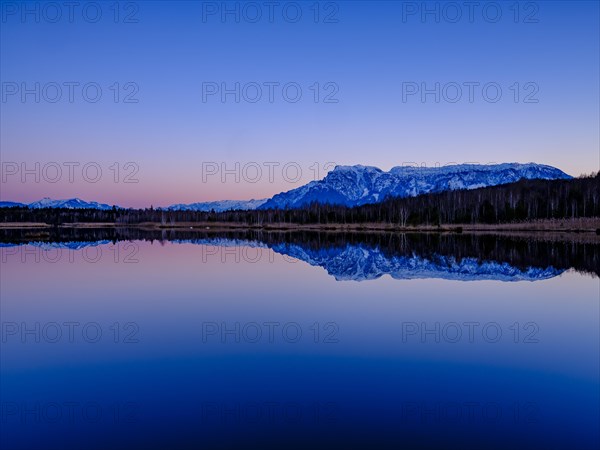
(154, 103)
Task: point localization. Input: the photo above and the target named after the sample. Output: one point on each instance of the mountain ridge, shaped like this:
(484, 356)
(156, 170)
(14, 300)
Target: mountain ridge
(218, 205)
(355, 186)
(70, 203)
(359, 185)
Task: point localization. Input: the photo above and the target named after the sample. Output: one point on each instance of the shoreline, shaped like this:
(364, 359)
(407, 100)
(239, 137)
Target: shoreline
(584, 225)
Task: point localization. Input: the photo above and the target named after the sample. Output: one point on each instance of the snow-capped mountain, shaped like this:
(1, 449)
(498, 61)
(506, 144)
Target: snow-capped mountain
(218, 206)
(11, 204)
(71, 203)
(359, 185)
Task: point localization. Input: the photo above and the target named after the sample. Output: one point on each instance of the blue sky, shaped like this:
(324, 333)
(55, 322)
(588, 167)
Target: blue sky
(543, 56)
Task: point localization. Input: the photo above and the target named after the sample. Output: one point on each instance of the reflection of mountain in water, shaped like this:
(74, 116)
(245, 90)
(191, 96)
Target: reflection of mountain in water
(66, 245)
(362, 263)
(367, 256)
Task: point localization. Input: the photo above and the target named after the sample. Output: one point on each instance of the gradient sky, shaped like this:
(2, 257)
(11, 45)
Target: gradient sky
(368, 54)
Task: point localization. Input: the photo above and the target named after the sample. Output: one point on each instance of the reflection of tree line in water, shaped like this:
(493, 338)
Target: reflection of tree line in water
(519, 251)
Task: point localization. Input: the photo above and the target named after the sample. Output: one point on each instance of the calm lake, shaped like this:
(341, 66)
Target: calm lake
(202, 340)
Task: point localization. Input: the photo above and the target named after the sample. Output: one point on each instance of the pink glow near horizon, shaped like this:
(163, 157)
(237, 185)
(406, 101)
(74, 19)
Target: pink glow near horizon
(129, 185)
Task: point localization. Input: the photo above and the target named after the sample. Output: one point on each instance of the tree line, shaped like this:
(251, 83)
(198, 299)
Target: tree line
(514, 202)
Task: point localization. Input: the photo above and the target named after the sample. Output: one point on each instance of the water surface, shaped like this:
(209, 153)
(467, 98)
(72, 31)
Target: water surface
(257, 340)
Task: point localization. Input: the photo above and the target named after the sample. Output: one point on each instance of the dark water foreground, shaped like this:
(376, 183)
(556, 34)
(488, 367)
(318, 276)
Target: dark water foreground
(130, 338)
